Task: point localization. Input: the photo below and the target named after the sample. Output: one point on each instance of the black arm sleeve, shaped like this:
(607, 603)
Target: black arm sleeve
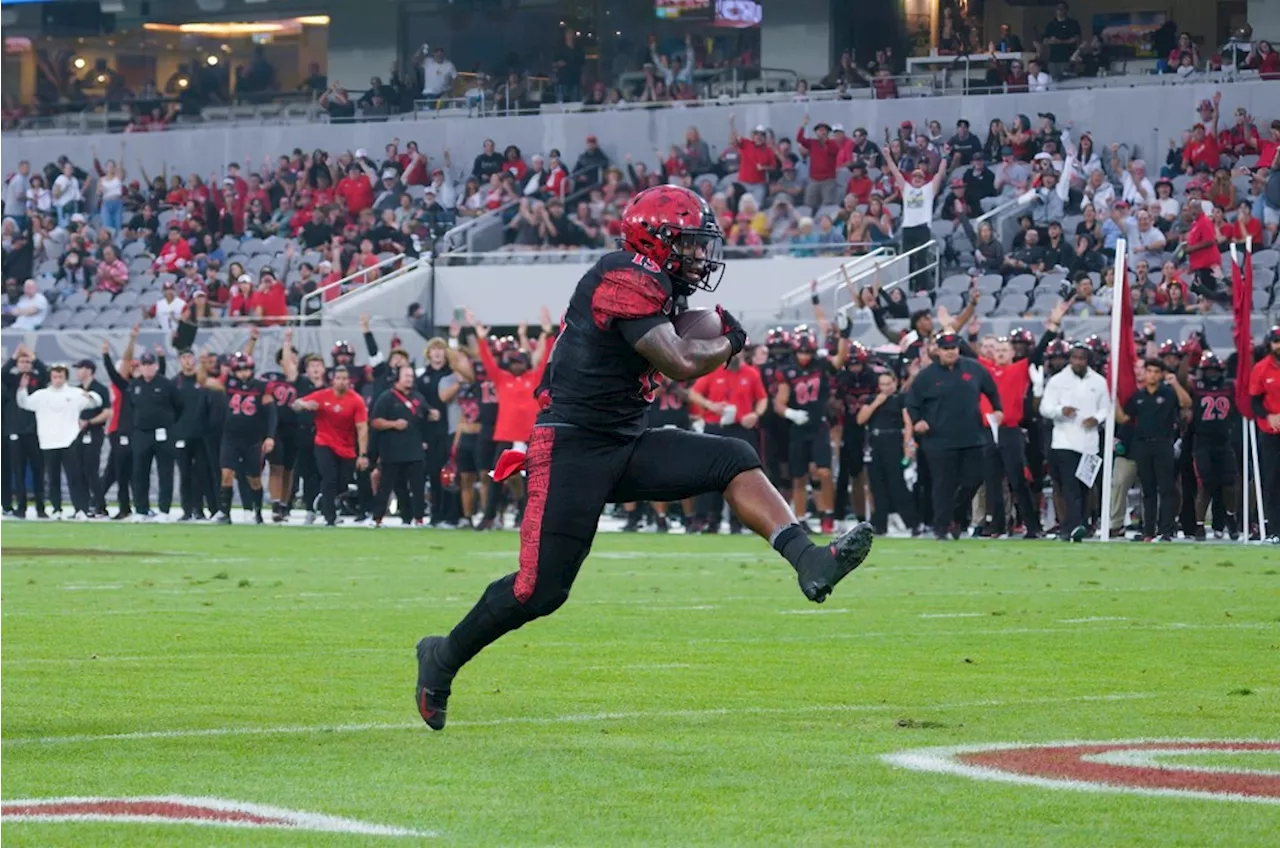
(1037, 355)
(117, 379)
(160, 361)
(371, 344)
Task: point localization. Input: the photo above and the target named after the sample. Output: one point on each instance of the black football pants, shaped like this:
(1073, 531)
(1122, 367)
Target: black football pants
(956, 475)
(1159, 489)
(571, 474)
(710, 505)
(852, 442)
(24, 453)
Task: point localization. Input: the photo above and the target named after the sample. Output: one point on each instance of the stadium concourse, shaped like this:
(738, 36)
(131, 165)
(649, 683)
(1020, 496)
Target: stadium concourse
(1016, 226)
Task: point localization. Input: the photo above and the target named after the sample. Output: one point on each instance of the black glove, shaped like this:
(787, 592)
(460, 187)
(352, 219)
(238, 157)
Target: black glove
(732, 330)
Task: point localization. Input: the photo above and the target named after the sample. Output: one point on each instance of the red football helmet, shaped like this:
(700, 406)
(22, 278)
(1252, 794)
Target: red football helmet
(1169, 348)
(1057, 347)
(449, 475)
(676, 230)
(342, 348)
(1098, 345)
(241, 360)
(805, 341)
(858, 354)
(777, 337)
(1209, 359)
(1021, 335)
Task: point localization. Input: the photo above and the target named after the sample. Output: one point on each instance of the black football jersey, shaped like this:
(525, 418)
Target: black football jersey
(284, 393)
(1214, 411)
(670, 406)
(469, 402)
(854, 389)
(245, 415)
(595, 379)
(810, 388)
(488, 398)
(301, 388)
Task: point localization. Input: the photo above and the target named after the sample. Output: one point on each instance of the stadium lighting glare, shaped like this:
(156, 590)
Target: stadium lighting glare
(79, 63)
(183, 82)
(211, 60)
(101, 78)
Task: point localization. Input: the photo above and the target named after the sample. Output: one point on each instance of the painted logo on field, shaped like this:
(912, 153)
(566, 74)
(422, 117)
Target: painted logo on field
(1140, 766)
(177, 809)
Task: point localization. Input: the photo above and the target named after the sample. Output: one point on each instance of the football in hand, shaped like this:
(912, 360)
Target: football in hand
(701, 324)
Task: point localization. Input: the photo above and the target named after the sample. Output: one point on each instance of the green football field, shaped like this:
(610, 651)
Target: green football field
(686, 695)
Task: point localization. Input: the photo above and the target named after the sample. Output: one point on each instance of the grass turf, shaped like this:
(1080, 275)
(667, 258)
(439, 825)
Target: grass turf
(686, 695)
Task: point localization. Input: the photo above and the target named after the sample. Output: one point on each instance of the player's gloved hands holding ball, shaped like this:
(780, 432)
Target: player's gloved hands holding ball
(797, 416)
(732, 330)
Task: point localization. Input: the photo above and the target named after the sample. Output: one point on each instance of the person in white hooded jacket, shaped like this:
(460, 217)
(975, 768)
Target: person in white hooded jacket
(1077, 401)
(57, 409)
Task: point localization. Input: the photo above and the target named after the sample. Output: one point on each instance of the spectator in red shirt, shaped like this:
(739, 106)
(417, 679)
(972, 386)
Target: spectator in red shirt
(557, 181)
(113, 274)
(1202, 253)
(860, 185)
(1203, 147)
(822, 153)
(755, 159)
(342, 437)
(1265, 60)
(256, 191)
(1268, 149)
(513, 164)
(241, 297)
(732, 398)
(1246, 226)
(356, 188)
(1242, 138)
(269, 303)
(1008, 455)
(233, 174)
(364, 261)
(174, 248)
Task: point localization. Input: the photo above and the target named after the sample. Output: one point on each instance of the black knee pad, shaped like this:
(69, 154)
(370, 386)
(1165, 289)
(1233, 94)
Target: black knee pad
(734, 457)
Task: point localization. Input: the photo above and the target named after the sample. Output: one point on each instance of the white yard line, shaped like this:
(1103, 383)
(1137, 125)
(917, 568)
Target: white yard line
(580, 718)
(954, 614)
(1092, 619)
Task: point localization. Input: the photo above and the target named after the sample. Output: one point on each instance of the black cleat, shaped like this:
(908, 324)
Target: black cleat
(846, 553)
(222, 518)
(432, 694)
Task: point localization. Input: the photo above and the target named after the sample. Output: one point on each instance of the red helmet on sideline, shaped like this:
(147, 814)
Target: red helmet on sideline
(240, 360)
(676, 230)
(805, 341)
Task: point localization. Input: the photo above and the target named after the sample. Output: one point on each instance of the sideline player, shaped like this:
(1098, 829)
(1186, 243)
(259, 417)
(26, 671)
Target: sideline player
(1216, 422)
(285, 455)
(803, 399)
(248, 435)
(590, 446)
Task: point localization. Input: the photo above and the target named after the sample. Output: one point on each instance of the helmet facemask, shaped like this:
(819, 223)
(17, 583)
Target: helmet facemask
(697, 257)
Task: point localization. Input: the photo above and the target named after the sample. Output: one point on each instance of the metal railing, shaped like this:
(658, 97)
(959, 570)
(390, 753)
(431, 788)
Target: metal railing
(551, 255)
(929, 250)
(321, 295)
(836, 277)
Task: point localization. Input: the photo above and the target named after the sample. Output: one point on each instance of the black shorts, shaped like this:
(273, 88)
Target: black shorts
(486, 451)
(466, 455)
(571, 475)
(1215, 463)
(853, 442)
(809, 446)
(285, 452)
(775, 439)
(243, 456)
